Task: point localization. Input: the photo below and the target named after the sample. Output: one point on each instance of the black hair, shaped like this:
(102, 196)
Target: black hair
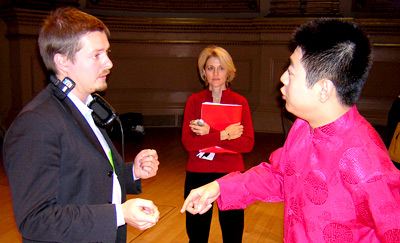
(337, 50)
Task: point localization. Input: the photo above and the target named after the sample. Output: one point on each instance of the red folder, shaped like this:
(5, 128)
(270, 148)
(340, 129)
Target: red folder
(219, 116)
(217, 149)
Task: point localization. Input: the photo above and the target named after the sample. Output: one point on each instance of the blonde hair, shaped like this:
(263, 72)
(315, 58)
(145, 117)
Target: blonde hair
(224, 58)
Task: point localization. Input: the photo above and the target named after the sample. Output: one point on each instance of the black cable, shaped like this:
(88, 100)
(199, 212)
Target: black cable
(122, 139)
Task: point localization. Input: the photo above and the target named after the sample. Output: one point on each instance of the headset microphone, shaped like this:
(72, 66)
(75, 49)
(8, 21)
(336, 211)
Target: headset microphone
(103, 113)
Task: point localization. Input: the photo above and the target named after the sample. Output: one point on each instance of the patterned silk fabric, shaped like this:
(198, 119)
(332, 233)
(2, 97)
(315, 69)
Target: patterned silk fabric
(337, 181)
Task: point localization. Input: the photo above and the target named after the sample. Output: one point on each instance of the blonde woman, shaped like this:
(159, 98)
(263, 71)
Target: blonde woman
(217, 70)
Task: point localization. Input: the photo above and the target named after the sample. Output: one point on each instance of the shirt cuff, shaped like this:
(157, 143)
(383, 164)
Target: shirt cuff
(133, 173)
(120, 215)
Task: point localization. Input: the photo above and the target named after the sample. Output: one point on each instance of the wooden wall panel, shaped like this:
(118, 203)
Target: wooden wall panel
(155, 64)
(177, 5)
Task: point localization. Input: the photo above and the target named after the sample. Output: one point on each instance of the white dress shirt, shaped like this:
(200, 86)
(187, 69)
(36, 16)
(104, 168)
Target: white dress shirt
(87, 113)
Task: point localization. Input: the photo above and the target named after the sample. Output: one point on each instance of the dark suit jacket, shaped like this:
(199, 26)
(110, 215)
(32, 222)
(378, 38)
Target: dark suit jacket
(60, 178)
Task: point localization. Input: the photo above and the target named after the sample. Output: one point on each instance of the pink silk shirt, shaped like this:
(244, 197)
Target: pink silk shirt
(337, 181)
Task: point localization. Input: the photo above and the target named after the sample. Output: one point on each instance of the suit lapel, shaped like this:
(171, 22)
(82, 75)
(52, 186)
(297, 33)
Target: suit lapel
(116, 157)
(84, 126)
(118, 163)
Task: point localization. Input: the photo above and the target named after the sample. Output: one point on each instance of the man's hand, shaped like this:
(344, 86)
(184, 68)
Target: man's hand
(146, 164)
(200, 199)
(140, 213)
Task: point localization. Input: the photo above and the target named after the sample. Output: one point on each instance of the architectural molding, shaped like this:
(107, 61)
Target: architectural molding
(24, 17)
(191, 6)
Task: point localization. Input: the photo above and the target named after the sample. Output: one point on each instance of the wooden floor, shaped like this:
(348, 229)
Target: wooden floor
(263, 221)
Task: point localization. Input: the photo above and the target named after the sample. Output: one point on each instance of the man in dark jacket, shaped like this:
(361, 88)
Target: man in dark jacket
(67, 180)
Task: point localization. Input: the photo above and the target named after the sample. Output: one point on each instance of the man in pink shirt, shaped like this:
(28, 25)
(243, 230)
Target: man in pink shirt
(333, 172)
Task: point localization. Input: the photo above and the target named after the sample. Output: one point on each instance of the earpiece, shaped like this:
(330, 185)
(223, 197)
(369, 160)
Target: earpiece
(103, 113)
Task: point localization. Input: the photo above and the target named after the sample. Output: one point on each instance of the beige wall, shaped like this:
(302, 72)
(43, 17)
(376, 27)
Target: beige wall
(155, 64)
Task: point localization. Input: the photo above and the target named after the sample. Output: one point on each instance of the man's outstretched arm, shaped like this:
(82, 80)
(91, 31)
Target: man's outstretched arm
(200, 199)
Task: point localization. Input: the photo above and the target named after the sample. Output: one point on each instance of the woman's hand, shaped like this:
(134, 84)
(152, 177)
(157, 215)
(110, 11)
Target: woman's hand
(200, 130)
(232, 131)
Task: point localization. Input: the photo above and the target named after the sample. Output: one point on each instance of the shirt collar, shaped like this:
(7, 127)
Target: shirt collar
(339, 126)
(209, 92)
(83, 108)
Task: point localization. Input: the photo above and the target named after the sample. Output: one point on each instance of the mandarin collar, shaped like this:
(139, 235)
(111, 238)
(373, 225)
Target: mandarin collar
(337, 127)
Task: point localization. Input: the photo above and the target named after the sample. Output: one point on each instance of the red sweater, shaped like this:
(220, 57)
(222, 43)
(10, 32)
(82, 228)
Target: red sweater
(222, 162)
